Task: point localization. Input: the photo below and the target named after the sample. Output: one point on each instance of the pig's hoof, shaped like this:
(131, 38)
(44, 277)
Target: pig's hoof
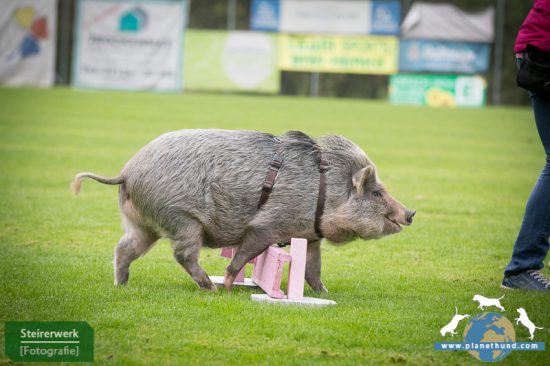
(121, 278)
(209, 287)
(228, 280)
(320, 288)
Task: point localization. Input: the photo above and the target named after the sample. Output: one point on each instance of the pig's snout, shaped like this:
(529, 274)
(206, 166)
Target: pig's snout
(405, 217)
(409, 216)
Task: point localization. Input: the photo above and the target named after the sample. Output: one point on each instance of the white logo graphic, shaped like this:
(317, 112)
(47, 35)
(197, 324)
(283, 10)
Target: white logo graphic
(248, 58)
(484, 301)
(526, 322)
(450, 328)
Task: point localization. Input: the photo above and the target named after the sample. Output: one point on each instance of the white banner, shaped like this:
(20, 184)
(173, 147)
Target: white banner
(447, 22)
(129, 44)
(325, 16)
(27, 42)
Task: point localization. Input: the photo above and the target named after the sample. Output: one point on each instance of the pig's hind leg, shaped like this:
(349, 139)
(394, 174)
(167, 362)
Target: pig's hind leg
(187, 244)
(133, 244)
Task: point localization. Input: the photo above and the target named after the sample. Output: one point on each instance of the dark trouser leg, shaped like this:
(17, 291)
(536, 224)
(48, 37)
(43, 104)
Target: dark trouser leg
(531, 244)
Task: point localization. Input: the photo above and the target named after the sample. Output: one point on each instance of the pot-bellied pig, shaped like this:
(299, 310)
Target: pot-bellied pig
(204, 187)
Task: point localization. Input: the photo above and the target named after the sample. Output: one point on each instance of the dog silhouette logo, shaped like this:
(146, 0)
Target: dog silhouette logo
(489, 336)
(451, 326)
(526, 322)
(485, 301)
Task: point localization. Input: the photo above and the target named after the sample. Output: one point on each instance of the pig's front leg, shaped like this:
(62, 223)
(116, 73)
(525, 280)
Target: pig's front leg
(313, 267)
(254, 243)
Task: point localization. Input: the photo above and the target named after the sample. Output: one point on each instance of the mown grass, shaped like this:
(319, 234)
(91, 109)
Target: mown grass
(467, 172)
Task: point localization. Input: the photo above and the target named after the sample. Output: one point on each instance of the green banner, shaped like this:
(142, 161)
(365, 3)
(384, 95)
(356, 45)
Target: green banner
(49, 341)
(230, 61)
(438, 90)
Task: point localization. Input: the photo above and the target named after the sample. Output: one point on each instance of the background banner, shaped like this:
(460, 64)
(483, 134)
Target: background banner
(264, 15)
(129, 44)
(380, 17)
(231, 61)
(385, 17)
(446, 21)
(27, 42)
(442, 56)
(344, 54)
(438, 90)
(320, 16)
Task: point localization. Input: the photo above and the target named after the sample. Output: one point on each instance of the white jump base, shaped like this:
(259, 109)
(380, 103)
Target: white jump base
(306, 301)
(218, 281)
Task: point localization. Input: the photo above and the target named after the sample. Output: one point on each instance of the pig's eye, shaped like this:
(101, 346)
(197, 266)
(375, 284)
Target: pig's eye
(377, 194)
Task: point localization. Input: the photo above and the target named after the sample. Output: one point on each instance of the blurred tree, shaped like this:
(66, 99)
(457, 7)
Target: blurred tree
(212, 14)
(516, 11)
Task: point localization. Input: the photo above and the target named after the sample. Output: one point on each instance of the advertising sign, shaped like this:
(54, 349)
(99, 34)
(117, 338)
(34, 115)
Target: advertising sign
(231, 61)
(380, 17)
(27, 42)
(438, 90)
(129, 44)
(442, 56)
(264, 15)
(446, 21)
(339, 54)
(328, 17)
(385, 17)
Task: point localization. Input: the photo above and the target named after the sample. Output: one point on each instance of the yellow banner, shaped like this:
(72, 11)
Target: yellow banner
(341, 54)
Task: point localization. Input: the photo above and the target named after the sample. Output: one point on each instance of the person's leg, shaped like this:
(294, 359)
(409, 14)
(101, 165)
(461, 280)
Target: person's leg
(531, 244)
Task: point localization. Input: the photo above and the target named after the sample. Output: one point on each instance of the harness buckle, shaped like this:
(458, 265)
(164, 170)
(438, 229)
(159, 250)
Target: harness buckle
(276, 161)
(323, 166)
(267, 186)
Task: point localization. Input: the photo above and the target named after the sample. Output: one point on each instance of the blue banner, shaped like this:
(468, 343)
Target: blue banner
(386, 16)
(264, 15)
(441, 56)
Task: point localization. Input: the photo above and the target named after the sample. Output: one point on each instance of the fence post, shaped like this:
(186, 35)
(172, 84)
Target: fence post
(64, 43)
(497, 57)
(231, 14)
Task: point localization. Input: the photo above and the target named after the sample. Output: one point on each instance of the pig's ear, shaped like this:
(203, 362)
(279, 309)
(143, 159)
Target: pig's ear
(362, 178)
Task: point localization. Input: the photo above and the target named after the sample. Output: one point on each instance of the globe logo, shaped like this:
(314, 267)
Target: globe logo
(489, 327)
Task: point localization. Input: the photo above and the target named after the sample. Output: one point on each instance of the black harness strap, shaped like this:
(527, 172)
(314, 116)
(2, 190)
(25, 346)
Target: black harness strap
(321, 197)
(272, 172)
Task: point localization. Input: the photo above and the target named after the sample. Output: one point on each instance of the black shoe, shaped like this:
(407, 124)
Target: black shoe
(528, 280)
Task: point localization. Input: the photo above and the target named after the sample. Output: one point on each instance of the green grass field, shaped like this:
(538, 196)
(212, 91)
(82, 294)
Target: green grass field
(467, 172)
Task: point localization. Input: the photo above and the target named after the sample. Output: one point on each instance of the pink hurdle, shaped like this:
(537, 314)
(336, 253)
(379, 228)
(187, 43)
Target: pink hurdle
(268, 273)
(269, 267)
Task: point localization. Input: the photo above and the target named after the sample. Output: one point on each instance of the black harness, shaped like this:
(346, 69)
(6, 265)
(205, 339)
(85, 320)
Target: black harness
(273, 170)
